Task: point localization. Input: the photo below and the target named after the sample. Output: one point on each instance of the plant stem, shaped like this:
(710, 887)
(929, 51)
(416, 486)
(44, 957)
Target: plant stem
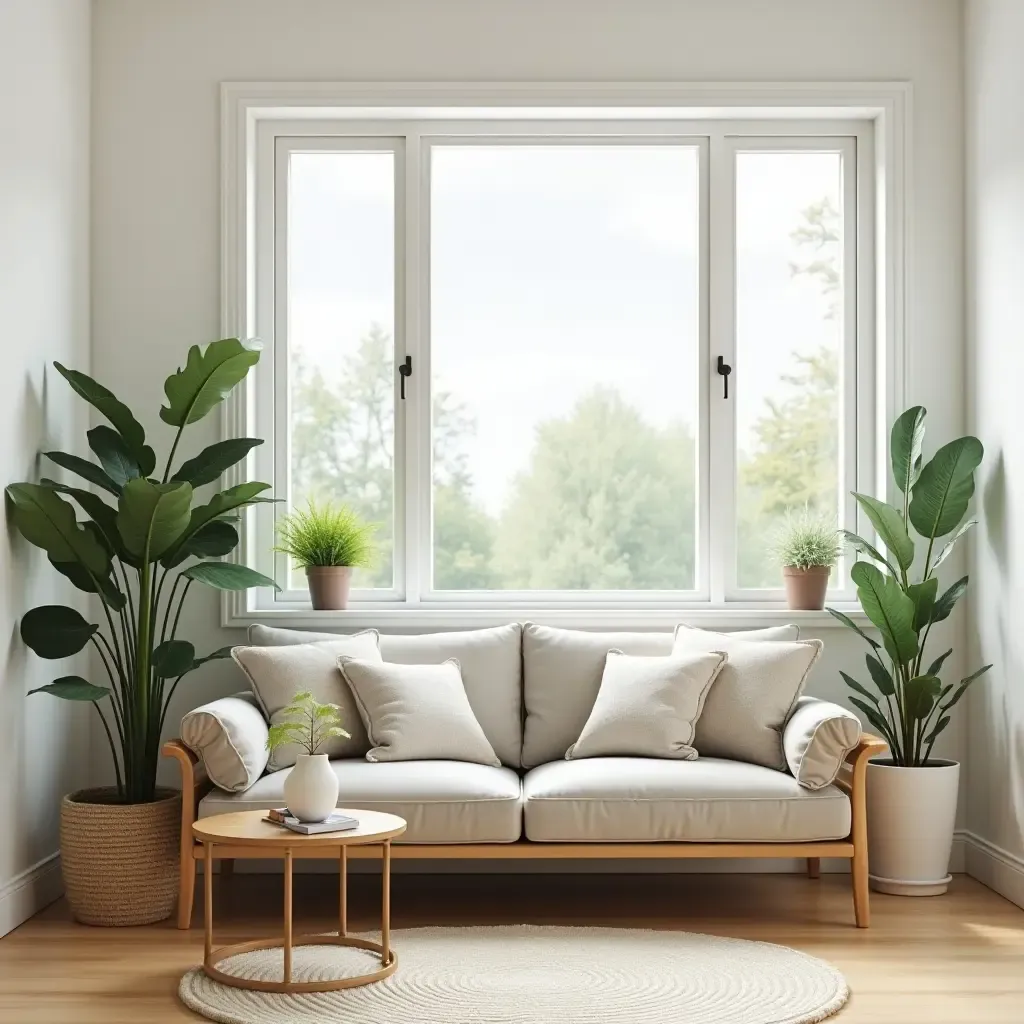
(170, 457)
(142, 785)
(113, 752)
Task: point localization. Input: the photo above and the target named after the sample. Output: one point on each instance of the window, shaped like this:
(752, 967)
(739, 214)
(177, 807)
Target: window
(564, 298)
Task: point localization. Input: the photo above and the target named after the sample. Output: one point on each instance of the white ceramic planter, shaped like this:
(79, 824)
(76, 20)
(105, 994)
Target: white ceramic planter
(911, 816)
(311, 789)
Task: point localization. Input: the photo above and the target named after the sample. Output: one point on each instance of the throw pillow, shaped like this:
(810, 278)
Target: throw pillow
(747, 708)
(230, 737)
(416, 712)
(276, 674)
(817, 738)
(648, 707)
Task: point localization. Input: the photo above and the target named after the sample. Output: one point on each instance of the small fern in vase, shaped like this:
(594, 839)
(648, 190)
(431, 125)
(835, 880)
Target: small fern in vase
(311, 788)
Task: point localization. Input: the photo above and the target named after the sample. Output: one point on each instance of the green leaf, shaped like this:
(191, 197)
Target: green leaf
(228, 576)
(880, 676)
(850, 624)
(117, 413)
(923, 596)
(218, 506)
(944, 605)
(945, 487)
(73, 688)
(85, 469)
(48, 521)
(905, 443)
(110, 448)
(211, 462)
(919, 696)
(875, 717)
(104, 516)
(151, 518)
(939, 726)
(173, 658)
(948, 547)
(889, 608)
(207, 378)
(89, 584)
(217, 655)
(857, 688)
(891, 528)
(964, 684)
(861, 546)
(936, 665)
(56, 631)
(213, 540)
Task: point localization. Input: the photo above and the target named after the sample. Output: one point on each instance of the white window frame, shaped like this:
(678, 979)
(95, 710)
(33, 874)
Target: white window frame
(870, 118)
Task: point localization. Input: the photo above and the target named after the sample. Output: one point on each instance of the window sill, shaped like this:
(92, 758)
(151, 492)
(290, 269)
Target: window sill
(427, 618)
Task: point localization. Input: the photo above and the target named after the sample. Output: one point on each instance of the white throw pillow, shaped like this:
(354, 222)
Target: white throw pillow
(747, 708)
(817, 738)
(230, 736)
(648, 706)
(276, 674)
(416, 712)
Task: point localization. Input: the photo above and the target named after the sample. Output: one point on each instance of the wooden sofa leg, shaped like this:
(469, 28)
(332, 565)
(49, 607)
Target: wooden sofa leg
(814, 867)
(186, 890)
(861, 896)
(858, 760)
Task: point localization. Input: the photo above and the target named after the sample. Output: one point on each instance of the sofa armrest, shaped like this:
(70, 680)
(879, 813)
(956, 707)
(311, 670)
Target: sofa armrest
(817, 739)
(230, 737)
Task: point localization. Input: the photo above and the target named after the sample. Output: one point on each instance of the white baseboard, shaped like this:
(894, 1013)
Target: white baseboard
(995, 867)
(29, 891)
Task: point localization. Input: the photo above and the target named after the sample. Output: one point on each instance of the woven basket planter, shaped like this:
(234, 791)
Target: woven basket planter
(120, 861)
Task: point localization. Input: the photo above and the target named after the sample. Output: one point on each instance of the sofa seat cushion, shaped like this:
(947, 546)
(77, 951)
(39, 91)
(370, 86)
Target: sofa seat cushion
(633, 799)
(442, 801)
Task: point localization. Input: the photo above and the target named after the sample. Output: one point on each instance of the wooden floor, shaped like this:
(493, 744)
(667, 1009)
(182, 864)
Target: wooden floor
(949, 960)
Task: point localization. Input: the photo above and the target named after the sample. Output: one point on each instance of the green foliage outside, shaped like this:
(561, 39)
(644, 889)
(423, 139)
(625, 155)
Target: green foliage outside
(607, 500)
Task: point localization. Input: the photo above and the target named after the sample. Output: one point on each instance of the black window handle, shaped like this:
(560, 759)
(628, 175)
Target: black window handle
(404, 370)
(724, 370)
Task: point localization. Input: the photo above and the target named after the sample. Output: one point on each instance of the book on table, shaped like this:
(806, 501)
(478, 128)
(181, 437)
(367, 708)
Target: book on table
(336, 822)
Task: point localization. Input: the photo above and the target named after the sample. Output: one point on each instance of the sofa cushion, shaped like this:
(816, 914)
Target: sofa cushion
(491, 661)
(632, 799)
(753, 696)
(416, 712)
(817, 738)
(230, 737)
(276, 674)
(648, 706)
(442, 801)
(562, 671)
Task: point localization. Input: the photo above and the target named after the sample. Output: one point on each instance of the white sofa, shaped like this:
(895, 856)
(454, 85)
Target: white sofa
(532, 688)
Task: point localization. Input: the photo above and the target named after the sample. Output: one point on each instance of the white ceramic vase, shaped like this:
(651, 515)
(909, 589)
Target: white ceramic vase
(311, 789)
(911, 817)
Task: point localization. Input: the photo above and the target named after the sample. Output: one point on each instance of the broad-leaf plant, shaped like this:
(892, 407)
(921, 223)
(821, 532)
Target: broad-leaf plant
(144, 541)
(912, 704)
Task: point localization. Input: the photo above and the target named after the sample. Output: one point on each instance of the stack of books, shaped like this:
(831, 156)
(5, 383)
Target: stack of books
(337, 822)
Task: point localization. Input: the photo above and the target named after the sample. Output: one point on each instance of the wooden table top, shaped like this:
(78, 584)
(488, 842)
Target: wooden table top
(247, 828)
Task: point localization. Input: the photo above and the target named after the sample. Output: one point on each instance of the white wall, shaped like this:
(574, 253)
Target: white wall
(157, 67)
(44, 309)
(994, 83)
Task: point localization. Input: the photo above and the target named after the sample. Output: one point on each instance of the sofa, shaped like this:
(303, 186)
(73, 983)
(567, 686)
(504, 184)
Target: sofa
(531, 689)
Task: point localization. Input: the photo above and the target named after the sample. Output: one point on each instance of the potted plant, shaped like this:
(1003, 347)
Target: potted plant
(807, 546)
(144, 543)
(328, 540)
(912, 795)
(311, 789)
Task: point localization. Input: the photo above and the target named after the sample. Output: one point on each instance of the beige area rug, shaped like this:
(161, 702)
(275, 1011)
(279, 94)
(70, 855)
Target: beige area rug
(537, 975)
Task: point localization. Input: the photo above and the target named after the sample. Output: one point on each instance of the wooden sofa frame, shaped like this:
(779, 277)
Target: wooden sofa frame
(195, 785)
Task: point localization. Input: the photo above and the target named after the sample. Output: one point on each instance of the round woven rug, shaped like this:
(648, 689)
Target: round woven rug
(537, 975)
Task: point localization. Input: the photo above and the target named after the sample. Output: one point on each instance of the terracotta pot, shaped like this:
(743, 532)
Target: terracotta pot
(328, 586)
(120, 861)
(805, 588)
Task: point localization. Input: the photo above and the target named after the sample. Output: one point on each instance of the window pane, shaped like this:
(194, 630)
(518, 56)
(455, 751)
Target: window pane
(564, 327)
(340, 339)
(789, 339)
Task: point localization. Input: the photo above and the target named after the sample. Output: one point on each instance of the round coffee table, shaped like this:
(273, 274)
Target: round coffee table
(247, 828)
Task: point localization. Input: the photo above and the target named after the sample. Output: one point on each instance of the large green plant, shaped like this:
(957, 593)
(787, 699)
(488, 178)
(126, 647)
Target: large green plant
(912, 705)
(143, 544)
